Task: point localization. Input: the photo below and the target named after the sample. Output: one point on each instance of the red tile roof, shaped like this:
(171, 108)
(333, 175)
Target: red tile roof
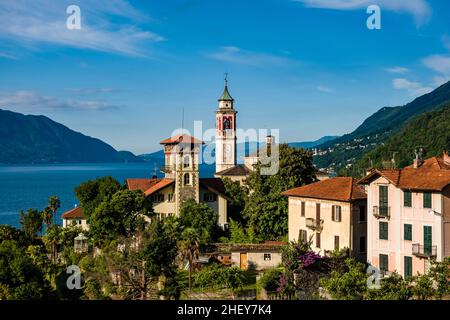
(432, 175)
(338, 189)
(141, 184)
(181, 138)
(76, 213)
(158, 186)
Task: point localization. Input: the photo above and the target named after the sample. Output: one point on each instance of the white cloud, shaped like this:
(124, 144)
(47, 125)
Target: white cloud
(438, 63)
(241, 56)
(415, 89)
(398, 70)
(88, 91)
(419, 9)
(325, 89)
(32, 101)
(33, 23)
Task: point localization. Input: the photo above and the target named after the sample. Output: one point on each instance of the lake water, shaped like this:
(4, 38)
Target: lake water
(29, 186)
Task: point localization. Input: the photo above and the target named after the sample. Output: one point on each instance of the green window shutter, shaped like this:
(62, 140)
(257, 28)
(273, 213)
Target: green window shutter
(383, 200)
(407, 200)
(384, 262)
(407, 232)
(408, 267)
(427, 200)
(383, 230)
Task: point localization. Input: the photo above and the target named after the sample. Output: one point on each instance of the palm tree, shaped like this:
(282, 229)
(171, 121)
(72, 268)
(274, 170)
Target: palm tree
(189, 247)
(31, 222)
(47, 215)
(54, 203)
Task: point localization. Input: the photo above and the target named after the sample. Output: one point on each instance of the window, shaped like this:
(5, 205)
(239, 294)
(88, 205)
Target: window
(383, 230)
(303, 236)
(209, 197)
(407, 199)
(362, 244)
(303, 210)
(362, 214)
(408, 267)
(186, 161)
(267, 256)
(427, 200)
(407, 232)
(336, 242)
(171, 197)
(383, 200)
(156, 198)
(317, 240)
(336, 213)
(384, 262)
(187, 179)
(227, 123)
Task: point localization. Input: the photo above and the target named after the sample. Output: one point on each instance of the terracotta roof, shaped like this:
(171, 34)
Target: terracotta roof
(339, 189)
(158, 186)
(239, 170)
(76, 213)
(141, 184)
(181, 138)
(432, 175)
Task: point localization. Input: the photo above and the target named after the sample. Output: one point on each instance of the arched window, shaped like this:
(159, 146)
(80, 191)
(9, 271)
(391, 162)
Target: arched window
(186, 162)
(226, 124)
(187, 179)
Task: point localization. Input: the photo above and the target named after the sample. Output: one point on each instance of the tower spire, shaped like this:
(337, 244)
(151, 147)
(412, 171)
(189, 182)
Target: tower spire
(226, 95)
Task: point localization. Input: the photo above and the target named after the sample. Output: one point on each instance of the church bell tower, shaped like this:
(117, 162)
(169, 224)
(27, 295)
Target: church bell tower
(225, 131)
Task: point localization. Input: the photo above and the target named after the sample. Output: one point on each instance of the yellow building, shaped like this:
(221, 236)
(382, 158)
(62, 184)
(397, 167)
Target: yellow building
(331, 214)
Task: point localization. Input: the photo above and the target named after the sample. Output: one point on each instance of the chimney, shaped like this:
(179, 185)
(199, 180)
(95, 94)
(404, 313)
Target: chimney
(269, 143)
(446, 158)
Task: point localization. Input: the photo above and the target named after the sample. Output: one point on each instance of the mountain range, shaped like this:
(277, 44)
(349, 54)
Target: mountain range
(376, 130)
(38, 139)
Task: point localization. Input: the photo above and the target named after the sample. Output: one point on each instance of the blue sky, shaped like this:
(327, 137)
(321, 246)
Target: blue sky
(308, 67)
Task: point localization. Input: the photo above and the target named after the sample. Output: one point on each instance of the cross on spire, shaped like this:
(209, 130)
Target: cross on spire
(226, 78)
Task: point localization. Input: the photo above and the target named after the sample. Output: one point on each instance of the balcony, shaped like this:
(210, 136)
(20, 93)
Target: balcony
(314, 224)
(424, 251)
(166, 169)
(382, 212)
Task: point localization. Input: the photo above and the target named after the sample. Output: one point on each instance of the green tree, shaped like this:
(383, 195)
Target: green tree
(93, 192)
(31, 222)
(351, 285)
(20, 278)
(240, 235)
(440, 274)
(423, 287)
(200, 217)
(189, 246)
(8, 232)
(393, 287)
(54, 203)
(238, 195)
(266, 209)
(160, 252)
(120, 215)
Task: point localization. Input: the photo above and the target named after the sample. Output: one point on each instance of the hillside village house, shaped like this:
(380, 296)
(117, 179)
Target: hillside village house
(409, 220)
(331, 213)
(75, 217)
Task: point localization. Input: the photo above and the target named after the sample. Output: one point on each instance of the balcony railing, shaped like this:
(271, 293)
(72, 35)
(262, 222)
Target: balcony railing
(424, 251)
(166, 169)
(382, 212)
(314, 224)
